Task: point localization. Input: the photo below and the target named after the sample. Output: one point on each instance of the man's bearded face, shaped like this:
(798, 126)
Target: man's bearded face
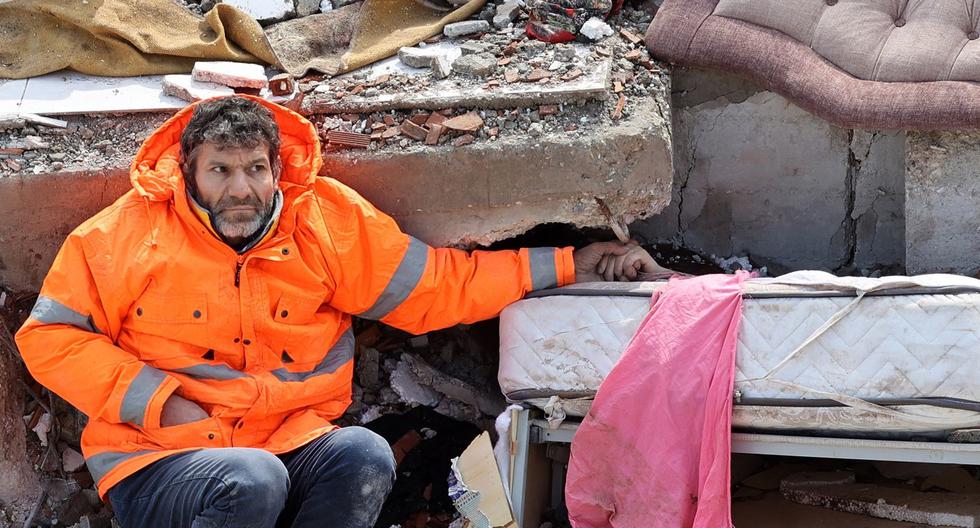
(237, 185)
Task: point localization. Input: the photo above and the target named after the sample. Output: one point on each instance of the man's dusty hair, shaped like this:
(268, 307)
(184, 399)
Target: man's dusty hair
(229, 122)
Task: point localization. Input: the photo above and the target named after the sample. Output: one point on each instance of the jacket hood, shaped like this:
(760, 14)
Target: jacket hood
(156, 175)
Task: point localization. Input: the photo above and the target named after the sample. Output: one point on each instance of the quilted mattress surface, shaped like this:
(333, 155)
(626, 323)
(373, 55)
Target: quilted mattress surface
(804, 335)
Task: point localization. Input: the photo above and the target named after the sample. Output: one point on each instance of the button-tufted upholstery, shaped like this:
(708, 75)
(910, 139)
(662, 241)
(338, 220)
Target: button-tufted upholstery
(911, 64)
(879, 40)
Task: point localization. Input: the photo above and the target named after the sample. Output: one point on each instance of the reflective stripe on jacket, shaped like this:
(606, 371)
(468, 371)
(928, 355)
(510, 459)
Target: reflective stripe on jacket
(143, 301)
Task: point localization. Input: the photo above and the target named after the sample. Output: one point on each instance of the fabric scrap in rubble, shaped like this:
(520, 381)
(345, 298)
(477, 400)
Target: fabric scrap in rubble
(122, 38)
(655, 448)
(356, 35)
(560, 20)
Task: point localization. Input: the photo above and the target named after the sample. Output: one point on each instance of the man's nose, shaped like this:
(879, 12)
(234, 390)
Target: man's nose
(238, 185)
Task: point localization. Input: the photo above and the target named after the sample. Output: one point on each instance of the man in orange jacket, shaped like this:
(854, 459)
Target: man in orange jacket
(203, 323)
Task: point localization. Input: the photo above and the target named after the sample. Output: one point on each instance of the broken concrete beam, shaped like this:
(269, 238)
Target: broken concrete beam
(186, 88)
(466, 27)
(838, 492)
(584, 86)
(419, 57)
(475, 65)
(265, 10)
(235, 74)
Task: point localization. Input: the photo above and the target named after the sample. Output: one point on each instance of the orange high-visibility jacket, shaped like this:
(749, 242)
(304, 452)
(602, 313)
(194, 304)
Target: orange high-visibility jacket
(143, 301)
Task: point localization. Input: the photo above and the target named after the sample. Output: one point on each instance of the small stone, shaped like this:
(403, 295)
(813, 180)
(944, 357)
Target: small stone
(469, 122)
(564, 52)
(326, 5)
(507, 12)
(419, 57)
(36, 143)
(476, 65)
(71, 460)
(537, 74)
(511, 75)
(595, 29)
(464, 140)
(466, 27)
(58, 156)
(307, 7)
(57, 166)
(473, 47)
(236, 74)
(536, 129)
(442, 67)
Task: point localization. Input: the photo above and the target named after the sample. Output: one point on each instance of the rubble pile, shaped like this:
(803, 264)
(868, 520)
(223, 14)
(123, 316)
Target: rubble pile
(68, 496)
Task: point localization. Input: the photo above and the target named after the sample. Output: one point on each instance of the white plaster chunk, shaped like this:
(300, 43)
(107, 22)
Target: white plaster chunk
(240, 74)
(264, 10)
(186, 88)
(596, 29)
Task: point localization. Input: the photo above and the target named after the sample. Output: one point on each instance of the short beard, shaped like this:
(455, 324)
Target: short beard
(238, 228)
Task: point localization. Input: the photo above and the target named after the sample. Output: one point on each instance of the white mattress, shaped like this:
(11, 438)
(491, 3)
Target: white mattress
(896, 338)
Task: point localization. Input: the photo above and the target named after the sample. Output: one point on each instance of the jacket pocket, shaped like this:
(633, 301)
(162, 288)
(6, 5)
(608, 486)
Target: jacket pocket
(296, 309)
(201, 433)
(166, 327)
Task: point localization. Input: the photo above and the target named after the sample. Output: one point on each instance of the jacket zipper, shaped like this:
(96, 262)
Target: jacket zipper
(238, 271)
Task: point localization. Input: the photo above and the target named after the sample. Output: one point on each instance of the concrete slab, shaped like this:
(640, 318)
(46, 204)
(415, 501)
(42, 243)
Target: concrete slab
(11, 93)
(454, 93)
(74, 93)
(941, 196)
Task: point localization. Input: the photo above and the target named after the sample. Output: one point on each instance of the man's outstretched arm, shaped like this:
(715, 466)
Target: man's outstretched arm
(383, 274)
(66, 346)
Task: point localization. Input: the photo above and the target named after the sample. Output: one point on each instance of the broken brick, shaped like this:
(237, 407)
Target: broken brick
(413, 130)
(618, 112)
(537, 74)
(617, 86)
(493, 132)
(548, 109)
(574, 73)
(234, 74)
(391, 132)
(419, 119)
(348, 139)
(435, 119)
(282, 84)
(633, 55)
(350, 118)
(504, 61)
(11, 151)
(435, 132)
(511, 76)
(469, 122)
(605, 52)
(377, 127)
(630, 36)
(389, 120)
(463, 140)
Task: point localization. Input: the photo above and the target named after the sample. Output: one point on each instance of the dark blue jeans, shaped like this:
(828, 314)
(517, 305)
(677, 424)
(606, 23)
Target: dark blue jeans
(339, 480)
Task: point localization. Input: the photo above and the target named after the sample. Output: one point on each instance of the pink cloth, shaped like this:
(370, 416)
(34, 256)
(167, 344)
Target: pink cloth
(655, 450)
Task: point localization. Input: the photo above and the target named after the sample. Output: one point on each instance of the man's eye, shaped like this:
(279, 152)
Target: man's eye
(218, 169)
(257, 168)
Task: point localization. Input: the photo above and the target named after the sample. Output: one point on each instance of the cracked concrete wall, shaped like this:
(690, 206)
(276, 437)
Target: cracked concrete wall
(755, 175)
(942, 193)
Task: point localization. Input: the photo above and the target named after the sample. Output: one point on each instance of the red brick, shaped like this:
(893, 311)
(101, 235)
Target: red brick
(549, 109)
(463, 140)
(412, 130)
(435, 132)
(469, 122)
(537, 74)
(419, 119)
(435, 119)
(282, 84)
(348, 139)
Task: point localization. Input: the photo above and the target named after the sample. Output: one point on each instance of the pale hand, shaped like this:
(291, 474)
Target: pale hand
(178, 410)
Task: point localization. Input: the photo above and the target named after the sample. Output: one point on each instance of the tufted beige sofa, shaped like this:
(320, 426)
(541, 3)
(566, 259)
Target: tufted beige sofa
(886, 64)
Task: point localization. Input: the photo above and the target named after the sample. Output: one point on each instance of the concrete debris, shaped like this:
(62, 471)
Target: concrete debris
(307, 7)
(326, 5)
(596, 29)
(71, 460)
(466, 27)
(475, 46)
(839, 492)
(235, 74)
(186, 88)
(420, 57)
(265, 11)
(476, 64)
(42, 428)
(506, 14)
(411, 389)
(442, 67)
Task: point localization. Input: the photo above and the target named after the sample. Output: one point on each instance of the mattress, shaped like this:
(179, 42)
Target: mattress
(815, 352)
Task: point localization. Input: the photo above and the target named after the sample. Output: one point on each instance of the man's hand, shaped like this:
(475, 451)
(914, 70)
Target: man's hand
(178, 410)
(609, 261)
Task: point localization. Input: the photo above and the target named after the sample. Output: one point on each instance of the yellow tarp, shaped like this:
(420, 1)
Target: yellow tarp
(353, 36)
(122, 38)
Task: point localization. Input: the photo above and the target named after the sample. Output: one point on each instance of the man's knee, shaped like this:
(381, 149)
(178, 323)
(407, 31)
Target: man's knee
(366, 449)
(254, 478)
